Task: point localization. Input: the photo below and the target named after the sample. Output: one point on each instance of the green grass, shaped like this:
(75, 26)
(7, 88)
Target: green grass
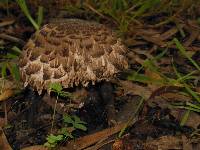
(183, 51)
(180, 80)
(25, 10)
(123, 11)
(9, 64)
(126, 12)
(132, 119)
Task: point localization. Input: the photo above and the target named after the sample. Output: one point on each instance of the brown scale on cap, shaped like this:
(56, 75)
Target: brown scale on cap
(75, 52)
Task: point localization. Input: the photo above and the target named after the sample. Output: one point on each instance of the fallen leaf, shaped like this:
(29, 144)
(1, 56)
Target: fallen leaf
(134, 89)
(6, 94)
(88, 140)
(166, 143)
(4, 145)
(192, 121)
(35, 147)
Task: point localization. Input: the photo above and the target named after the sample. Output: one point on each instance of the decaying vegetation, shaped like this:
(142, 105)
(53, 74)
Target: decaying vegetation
(157, 101)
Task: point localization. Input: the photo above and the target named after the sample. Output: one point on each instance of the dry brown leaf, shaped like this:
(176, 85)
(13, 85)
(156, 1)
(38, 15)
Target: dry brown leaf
(88, 140)
(192, 121)
(4, 145)
(140, 51)
(8, 88)
(153, 76)
(164, 98)
(166, 143)
(135, 89)
(6, 21)
(6, 94)
(150, 32)
(2, 122)
(155, 40)
(125, 143)
(169, 33)
(194, 34)
(118, 145)
(171, 97)
(35, 147)
(197, 89)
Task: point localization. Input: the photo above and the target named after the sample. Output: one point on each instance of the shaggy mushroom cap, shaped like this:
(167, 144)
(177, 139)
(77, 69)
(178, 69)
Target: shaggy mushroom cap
(75, 52)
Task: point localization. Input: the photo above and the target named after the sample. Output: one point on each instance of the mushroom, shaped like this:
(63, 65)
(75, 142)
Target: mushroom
(72, 53)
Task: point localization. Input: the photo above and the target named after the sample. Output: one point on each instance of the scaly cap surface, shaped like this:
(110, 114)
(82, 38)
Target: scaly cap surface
(71, 53)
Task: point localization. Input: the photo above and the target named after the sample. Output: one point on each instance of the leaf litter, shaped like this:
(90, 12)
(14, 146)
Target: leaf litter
(160, 72)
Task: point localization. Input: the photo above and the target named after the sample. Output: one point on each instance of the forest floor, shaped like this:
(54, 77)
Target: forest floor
(157, 101)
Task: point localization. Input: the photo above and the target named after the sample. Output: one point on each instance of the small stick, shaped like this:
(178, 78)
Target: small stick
(98, 13)
(6, 113)
(91, 139)
(6, 23)
(11, 38)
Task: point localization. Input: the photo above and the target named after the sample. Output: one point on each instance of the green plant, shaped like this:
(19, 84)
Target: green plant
(71, 123)
(150, 64)
(187, 86)
(53, 140)
(132, 119)
(75, 122)
(9, 61)
(183, 51)
(189, 89)
(123, 12)
(180, 80)
(24, 8)
(58, 89)
(9, 64)
(144, 6)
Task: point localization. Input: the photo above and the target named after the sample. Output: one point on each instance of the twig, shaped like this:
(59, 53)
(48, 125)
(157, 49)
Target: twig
(11, 38)
(6, 23)
(100, 145)
(94, 10)
(98, 13)
(6, 113)
(91, 139)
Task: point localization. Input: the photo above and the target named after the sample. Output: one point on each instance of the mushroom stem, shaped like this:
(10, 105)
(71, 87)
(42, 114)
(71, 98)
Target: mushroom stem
(34, 99)
(107, 95)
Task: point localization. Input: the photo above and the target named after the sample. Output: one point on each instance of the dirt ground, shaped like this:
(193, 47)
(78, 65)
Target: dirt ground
(156, 100)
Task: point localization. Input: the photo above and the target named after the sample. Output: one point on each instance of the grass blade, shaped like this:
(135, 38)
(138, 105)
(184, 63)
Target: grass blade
(185, 118)
(187, 87)
(183, 51)
(24, 8)
(40, 16)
